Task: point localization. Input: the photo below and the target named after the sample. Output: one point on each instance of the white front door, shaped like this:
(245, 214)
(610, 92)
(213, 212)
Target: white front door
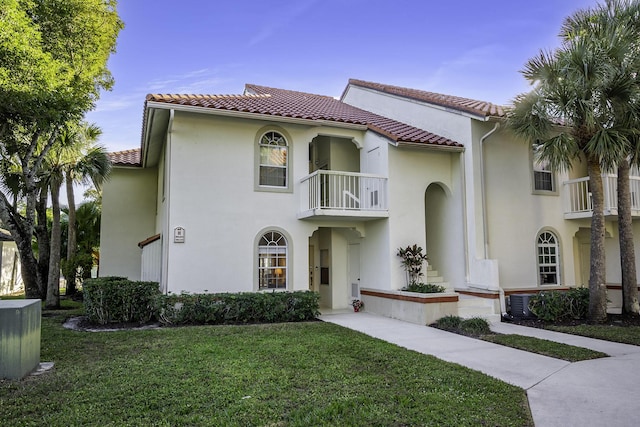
(354, 270)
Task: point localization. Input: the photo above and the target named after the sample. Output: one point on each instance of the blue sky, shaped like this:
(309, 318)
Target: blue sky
(467, 48)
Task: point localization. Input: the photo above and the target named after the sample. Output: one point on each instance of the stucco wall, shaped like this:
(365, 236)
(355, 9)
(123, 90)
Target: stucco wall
(128, 217)
(411, 171)
(213, 197)
(10, 271)
(516, 215)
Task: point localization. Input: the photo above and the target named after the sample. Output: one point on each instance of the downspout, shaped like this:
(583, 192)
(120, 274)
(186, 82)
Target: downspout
(463, 178)
(167, 189)
(483, 196)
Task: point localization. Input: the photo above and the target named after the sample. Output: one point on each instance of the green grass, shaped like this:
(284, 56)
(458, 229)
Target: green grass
(547, 348)
(622, 334)
(260, 375)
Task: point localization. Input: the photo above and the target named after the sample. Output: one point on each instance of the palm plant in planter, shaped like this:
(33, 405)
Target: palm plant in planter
(413, 259)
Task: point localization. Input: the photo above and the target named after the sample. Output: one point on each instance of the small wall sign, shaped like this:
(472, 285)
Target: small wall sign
(178, 235)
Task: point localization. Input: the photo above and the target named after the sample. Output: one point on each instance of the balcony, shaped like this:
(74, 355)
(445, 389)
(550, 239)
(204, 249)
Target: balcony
(334, 194)
(578, 197)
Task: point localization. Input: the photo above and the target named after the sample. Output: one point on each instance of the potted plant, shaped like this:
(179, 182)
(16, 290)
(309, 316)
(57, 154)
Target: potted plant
(413, 260)
(357, 305)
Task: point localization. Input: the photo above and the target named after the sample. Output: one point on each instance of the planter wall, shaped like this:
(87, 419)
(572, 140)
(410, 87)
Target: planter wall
(422, 309)
(19, 337)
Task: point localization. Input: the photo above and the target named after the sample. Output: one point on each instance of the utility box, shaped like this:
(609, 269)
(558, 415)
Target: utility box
(20, 322)
(520, 306)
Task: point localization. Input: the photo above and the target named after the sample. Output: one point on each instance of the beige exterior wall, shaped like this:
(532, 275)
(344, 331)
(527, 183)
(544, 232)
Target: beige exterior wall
(10, 269)
(128, 217)
(411, 172)
(212, 195)
(459, 127)
(516, 214)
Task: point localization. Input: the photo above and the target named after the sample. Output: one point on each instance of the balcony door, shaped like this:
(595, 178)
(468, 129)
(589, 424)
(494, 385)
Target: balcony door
(371, 189)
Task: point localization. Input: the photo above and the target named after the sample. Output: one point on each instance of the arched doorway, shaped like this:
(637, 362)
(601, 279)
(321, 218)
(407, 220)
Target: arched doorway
(444, 230)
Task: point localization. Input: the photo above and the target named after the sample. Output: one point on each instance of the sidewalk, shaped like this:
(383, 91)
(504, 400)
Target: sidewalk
(601, 392)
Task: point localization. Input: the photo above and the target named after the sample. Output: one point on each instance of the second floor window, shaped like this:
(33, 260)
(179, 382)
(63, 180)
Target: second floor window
(273, 160)
(543, 179)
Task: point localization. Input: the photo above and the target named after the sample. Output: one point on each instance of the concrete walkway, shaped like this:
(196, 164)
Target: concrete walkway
(601, 392)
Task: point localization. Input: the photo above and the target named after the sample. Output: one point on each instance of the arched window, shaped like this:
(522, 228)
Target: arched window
(273, 160)
(272, 261)
(548, 258)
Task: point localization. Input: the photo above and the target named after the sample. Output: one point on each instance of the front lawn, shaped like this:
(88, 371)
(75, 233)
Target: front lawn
(264, 375)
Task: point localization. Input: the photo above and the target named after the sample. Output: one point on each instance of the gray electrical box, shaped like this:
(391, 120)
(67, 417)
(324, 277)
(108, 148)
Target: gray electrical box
(19, 337)
(520, 305)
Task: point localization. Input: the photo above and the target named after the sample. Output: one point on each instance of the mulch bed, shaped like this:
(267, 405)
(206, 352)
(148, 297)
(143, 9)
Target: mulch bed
(621, 320)
(82, 324)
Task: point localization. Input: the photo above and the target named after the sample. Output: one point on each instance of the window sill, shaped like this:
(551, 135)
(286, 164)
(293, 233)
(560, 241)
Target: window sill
(267, 189)
(544, 193)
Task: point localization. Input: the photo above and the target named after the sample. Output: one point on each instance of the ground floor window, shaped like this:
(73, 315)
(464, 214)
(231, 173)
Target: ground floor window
(548, 258)
(272, 261)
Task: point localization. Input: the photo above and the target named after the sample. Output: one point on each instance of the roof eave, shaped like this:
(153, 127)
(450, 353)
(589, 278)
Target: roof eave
(427, 146)
(253, 116)
(461, 111)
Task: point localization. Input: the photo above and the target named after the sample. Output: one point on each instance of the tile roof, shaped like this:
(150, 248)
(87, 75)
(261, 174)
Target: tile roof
(292, 104)
(126, 158)
(481, 108)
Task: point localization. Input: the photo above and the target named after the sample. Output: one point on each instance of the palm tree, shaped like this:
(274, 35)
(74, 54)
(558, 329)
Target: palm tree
(568, 119)
(615, 27)
(74, 157)
(85, 162)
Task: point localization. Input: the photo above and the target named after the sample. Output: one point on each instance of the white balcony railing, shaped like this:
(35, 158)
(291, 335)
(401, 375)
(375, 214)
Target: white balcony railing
(353, 193)
(578, 196)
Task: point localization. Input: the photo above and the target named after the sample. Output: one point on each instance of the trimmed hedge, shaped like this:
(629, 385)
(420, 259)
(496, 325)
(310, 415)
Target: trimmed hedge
(118, 300)
(553, 306)
(424, 288)
(239, 308)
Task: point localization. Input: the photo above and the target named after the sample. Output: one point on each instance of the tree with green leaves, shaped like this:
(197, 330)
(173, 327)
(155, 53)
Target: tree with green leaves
(53, 64)
(568, 116)
(617, 23)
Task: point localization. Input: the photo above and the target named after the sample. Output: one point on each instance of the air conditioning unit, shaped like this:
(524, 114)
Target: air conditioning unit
(520, 306)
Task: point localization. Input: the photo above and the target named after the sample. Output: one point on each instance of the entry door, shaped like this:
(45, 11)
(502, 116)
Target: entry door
(372, 191)
(354, 270)
(585, 263)
(311, 264)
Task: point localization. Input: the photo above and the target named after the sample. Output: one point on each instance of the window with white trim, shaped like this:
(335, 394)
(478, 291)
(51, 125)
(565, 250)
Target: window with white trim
(548, 258)
(272, 261)
(273, 160)
(543, 176)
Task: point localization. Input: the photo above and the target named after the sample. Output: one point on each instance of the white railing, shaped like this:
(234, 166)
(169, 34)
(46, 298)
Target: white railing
(344, 191)
(578, 195)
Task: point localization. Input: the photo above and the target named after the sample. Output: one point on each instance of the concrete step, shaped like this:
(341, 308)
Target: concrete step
(474, 311)
(491, 318)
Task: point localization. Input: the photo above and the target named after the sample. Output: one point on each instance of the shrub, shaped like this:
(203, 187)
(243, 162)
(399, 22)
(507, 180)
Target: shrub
(449, 323)
(475, 326)
(555, 306)
(118, 300)
(238, 308)
(424, 288)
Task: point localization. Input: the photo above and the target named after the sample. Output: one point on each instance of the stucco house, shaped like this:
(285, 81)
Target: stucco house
(10, 272)
(276, 189)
